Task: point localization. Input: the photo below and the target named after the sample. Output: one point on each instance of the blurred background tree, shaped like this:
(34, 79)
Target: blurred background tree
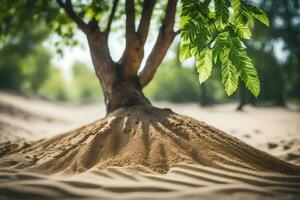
(174, 83)
(24, 62)
(55, 87)
(25, 66)
(84, 84)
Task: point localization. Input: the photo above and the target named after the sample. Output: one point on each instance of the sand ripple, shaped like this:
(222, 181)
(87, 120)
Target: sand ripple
(181, 182)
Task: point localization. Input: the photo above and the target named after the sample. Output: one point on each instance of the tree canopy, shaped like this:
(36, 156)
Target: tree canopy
(211, 31)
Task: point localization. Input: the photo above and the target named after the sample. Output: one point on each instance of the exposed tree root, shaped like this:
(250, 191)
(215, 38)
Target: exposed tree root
(139, 137)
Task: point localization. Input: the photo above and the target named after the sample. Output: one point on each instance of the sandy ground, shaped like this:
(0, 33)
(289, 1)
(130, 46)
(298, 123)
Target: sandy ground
(275, 130)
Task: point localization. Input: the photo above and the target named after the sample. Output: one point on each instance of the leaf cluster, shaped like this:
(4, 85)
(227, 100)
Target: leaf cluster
(213, 33)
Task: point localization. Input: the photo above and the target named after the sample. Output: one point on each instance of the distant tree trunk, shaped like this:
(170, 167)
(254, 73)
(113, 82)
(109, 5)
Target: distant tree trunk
(244, 98)
(280, 96)
(204, 95)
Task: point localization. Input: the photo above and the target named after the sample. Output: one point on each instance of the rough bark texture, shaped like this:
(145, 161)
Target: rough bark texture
(125, 93)
(119, 88)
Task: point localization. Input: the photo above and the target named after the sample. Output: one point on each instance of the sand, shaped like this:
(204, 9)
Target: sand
(181, 182)
(188, 181)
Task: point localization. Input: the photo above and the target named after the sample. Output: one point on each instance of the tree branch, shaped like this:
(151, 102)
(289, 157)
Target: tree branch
(143, 28)
(131, 55)
(177, 32)
(68, 7)
(169, 19)
(111, 17)
(103, 64)
(130, 18)
(164, 40)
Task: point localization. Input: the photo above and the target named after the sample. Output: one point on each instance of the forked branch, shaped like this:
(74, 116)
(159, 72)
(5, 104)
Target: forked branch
(143, 29)
(135, 40)
(130, 18)
(68, 7)
(164, 40)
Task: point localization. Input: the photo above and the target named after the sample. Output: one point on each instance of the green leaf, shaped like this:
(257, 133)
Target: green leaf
(229, 76)
(202, 38)
(258, 13)
(220, 44)
(211, 15)
(236, 6)
(183, 21)
(246, 69)
(243, 31)
(204, 64)
(244, 13)
(184, 50)
(249, 75)
(198, 28)
(222, 13)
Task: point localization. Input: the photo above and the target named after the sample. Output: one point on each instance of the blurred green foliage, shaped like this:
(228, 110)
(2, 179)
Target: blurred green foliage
(24, 62)
(85, 85)
(25, 66)
(173, 83)
(179, 84)
(55, 87)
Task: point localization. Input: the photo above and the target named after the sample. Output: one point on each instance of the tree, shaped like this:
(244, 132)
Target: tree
(24, 62)
(134, 132)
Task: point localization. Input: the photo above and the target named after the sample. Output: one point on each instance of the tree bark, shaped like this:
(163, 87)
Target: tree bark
(119, 91)
(125, 94)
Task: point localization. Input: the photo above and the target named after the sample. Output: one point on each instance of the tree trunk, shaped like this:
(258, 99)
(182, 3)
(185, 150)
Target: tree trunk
(280, 96)
(243, 97)
(204, 98)
(125, 93)
(119, 89)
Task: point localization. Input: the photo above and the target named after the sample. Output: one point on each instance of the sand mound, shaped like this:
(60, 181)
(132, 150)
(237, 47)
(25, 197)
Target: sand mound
(142, 137)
